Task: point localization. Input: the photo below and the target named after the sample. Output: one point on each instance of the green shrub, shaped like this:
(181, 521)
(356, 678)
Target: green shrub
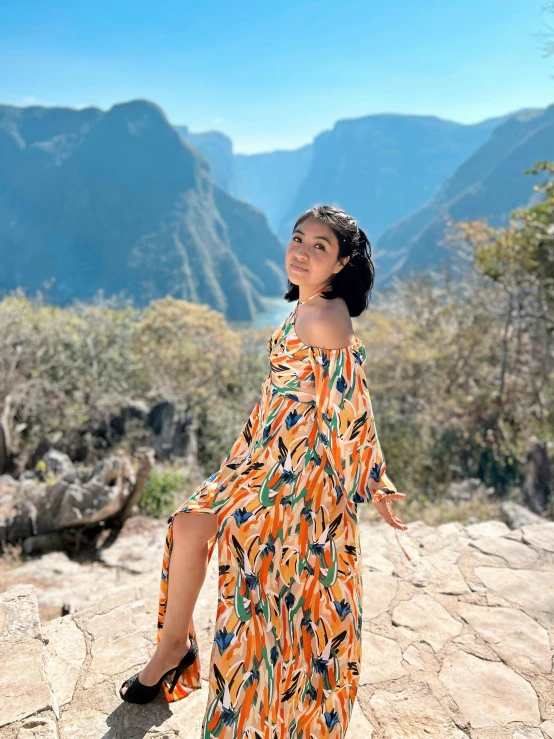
(158, 497)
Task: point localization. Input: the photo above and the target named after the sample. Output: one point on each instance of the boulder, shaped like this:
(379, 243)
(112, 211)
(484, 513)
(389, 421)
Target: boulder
(30, 508)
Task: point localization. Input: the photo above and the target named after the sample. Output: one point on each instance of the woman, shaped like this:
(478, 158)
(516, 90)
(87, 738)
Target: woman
(283, 508)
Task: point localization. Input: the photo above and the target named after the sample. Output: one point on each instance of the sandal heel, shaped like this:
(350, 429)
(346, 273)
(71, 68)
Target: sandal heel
(187, 660)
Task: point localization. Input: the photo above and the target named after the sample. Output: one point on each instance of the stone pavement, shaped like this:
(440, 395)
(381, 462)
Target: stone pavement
(458, 641)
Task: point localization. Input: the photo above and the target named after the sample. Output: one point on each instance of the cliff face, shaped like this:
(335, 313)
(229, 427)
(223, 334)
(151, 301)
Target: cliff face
(488, 185)
(119, 202)
(457, 640)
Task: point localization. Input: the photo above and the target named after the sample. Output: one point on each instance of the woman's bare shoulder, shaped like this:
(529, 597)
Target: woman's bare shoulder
(328, 325)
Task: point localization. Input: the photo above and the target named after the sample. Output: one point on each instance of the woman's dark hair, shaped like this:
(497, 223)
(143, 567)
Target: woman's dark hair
(355, 280)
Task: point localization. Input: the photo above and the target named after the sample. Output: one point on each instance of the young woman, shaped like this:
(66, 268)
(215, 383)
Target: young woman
(283, 508)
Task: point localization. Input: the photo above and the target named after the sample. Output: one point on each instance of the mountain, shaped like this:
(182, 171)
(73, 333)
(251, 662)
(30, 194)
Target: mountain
(487, 186)
(381, 167)
(217, 150)
(269, 181)
(118, 201)
(124, 202)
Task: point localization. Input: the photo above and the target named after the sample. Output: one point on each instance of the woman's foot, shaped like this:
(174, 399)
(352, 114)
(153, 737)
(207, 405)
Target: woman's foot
(161, 662)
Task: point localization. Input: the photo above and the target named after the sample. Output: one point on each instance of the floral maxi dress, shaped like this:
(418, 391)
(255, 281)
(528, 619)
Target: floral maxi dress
(285, 660)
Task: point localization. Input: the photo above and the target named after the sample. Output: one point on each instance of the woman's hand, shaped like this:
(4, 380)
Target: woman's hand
(385, 509)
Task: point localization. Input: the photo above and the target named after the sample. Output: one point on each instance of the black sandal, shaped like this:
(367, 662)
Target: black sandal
(138, 693)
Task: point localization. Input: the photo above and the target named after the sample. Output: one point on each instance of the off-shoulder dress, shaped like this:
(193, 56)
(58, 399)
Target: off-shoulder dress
(285, 658)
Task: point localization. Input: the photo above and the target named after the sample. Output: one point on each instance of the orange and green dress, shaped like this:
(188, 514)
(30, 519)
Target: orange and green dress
(285, 659)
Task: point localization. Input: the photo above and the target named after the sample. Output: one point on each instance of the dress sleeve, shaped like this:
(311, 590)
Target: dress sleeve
(346, 424)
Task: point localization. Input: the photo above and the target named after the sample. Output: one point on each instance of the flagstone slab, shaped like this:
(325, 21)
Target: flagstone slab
(427, 620)
(518, 639)
(488, 694)
(531, 589)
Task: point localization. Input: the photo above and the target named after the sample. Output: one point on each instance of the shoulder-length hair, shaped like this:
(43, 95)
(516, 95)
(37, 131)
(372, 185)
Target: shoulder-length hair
(355, 280)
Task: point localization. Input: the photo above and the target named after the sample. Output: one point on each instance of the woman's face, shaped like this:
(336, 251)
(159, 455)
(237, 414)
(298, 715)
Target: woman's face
(314, 248)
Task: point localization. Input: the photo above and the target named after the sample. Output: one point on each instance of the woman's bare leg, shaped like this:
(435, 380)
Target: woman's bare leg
(188, 565)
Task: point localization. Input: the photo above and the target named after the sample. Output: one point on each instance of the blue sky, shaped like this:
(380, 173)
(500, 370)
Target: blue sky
(274, 75)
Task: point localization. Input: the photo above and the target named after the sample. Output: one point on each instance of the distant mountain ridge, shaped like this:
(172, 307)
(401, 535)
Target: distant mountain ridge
(124, 202)
(269, 180)
(118, 201)
(217, 149)
(379, 168)
(399, 176)
(487, 186)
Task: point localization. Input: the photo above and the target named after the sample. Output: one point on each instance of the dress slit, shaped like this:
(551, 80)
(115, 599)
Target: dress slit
(191, 678)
